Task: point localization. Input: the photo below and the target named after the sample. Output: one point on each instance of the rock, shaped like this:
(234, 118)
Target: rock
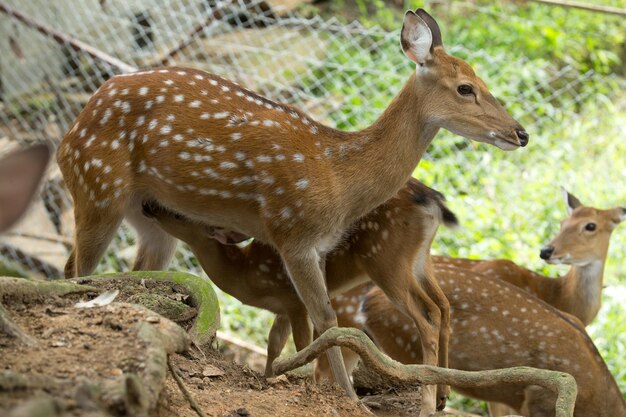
(212, 371)
(165, 306)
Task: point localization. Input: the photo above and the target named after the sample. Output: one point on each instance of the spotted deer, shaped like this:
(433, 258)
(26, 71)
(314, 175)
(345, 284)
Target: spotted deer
(222, 155)
(494, 325)
(387, 246)
(583, 243)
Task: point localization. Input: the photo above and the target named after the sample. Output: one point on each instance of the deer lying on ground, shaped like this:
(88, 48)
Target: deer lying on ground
(222, 155)
(494, 325)
(583, 243)
(387, 246)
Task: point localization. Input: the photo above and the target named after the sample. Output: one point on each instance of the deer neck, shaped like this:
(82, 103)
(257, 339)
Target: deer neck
(392, 148)
(579, 292)
(220, 262)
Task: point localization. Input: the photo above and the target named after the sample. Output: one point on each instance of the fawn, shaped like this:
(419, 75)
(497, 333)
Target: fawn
(222, 155)
(256, 276)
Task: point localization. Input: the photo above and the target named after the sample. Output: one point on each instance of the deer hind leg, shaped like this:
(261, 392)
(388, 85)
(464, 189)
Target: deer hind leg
(406, 293)
(156, 247)
(308, 279)
(95, 228)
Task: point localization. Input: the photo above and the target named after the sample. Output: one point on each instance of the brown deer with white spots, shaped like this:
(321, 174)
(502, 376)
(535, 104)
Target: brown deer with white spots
(387, 246)
(494, 325)
(222, 155)
(583, 243)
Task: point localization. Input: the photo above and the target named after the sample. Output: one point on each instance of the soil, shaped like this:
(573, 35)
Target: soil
(77, 346)
(98, 344)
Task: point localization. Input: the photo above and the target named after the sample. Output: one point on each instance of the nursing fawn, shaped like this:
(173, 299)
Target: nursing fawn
(222, 155)
(388, 246)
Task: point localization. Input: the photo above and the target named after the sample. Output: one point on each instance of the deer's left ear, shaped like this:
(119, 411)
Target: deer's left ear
(20, 175)
(572, 202)
(433, 26)
(416, 38)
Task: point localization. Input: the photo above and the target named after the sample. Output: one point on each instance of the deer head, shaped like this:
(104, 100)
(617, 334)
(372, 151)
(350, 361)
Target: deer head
(584, 235)
(468, 109)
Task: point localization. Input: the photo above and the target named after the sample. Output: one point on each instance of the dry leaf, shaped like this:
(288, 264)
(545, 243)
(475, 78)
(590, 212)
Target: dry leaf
(103, 299)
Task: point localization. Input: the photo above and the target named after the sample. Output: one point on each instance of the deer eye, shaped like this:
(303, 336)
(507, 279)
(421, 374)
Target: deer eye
(590, 227)
(465, 90)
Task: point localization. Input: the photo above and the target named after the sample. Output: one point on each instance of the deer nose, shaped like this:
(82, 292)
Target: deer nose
(522, 135)
(546, 252)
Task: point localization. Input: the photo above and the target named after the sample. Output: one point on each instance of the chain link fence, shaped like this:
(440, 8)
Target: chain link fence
(55, 54)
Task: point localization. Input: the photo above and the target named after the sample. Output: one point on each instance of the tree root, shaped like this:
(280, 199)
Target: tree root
(181, 385)
(10, 328)
(560, 383)
(200, 292)
(23, 288)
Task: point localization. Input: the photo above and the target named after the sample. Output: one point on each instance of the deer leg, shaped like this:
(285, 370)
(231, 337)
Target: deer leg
(407, 294)
(279, 333)
(156, 247)
(500, 410)
(439, 298)
(307, 277)
(94, 232)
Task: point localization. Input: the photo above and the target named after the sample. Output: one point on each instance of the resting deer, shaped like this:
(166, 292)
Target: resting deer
(583, 243)
(222, 155)
(494, 325)
(387, 246)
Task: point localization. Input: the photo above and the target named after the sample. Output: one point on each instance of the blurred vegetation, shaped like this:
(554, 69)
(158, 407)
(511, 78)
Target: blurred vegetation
(561, 73)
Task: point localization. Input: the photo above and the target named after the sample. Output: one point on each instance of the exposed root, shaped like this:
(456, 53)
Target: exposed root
(560, 383)
(181, 385)
(8, 327)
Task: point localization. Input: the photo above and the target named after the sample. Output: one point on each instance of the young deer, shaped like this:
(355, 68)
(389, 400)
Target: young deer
(387, 246)
(494, 325)
(583, 243)
(222, 155)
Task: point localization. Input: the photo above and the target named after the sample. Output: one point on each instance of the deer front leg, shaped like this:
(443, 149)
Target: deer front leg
(405, 291)
(439, 298)
(279, 333)
(308, 279)
(500, 410)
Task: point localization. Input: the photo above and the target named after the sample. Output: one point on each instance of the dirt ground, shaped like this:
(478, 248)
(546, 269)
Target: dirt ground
(78, 349)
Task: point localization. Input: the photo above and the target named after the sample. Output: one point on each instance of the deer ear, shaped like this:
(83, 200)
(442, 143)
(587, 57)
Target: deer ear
(572, 202)
(20, 174)
(432, 25)
(416, 38)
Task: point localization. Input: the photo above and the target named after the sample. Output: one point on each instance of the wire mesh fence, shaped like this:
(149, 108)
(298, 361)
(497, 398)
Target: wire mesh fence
(343, 75)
